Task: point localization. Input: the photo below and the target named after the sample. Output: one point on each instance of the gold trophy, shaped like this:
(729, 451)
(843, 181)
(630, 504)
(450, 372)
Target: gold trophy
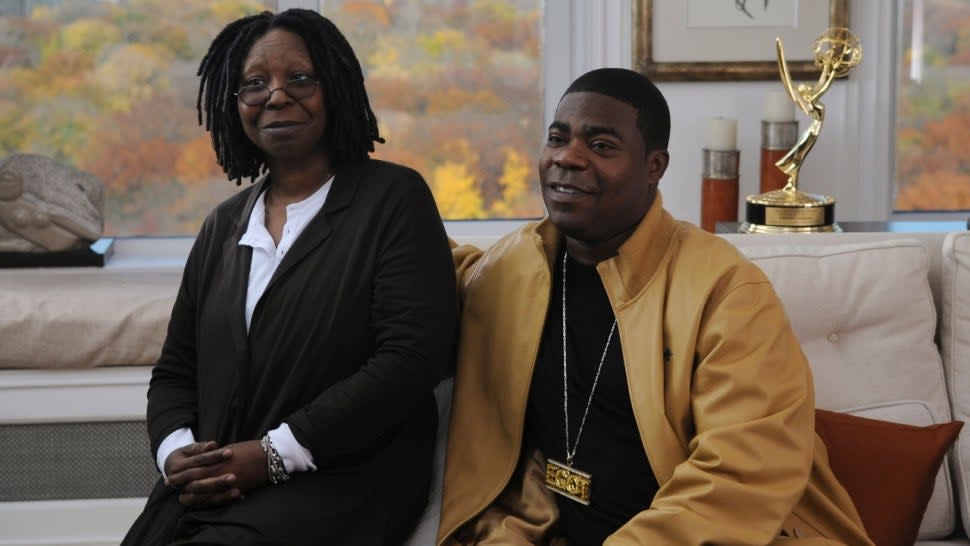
(837, 51)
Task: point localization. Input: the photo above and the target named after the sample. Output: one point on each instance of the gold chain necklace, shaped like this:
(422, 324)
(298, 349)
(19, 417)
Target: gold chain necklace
(564, 478)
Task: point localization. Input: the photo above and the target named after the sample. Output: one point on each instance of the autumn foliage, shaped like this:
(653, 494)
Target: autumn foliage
(933, 111)
(110, 87)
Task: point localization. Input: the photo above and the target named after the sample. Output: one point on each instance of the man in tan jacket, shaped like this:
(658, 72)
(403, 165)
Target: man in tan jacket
(624, 378)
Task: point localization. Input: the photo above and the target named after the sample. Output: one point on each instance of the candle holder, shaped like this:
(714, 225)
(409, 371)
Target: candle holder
(719, 187)
(777, 137)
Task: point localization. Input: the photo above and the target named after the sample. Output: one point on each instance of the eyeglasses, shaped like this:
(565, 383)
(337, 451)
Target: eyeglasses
(257, 95)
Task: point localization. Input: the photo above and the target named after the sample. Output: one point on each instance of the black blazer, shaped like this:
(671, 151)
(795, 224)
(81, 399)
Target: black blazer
(352, 334)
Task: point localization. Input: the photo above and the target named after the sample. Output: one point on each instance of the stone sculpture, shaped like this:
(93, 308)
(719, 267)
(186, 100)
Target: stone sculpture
(46, 206)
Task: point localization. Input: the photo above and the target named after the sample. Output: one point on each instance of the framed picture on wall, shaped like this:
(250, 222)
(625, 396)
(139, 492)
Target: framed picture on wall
(725, 40)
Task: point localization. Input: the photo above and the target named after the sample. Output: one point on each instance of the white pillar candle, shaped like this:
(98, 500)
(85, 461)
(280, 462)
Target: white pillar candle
(779, 107)
(722, 134)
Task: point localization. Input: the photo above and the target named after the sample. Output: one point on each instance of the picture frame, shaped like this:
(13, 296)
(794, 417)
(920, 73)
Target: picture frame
(709, 50)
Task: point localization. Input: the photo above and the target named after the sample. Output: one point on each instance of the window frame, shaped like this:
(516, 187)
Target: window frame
(873, 128)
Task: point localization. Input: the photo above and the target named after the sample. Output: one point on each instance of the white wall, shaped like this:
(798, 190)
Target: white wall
(851, 160)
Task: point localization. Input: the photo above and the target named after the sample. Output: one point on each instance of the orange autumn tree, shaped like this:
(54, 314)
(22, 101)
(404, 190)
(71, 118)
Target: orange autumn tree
(933, 113)
(455, 95)
(110, 87)
(936, 162)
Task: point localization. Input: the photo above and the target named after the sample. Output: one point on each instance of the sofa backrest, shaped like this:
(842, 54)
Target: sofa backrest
(955, 347)
(864, 307)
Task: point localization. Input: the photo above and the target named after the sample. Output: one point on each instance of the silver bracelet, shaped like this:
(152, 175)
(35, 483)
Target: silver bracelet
(274, 463)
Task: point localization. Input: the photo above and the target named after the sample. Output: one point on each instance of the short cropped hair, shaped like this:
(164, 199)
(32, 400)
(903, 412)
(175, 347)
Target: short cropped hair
(635, 89)
(351, 124)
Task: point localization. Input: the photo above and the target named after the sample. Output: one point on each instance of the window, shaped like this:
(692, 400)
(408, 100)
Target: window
(932, 158)
(457, 89)
(110, 87)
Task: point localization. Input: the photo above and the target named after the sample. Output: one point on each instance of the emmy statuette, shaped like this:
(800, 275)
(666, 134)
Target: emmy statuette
(837, 52)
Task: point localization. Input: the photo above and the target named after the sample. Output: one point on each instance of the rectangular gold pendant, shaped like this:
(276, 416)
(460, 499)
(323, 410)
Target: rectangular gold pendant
(567, 481)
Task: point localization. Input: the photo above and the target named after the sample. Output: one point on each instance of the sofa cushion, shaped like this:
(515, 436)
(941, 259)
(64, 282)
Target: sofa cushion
(864, 314)
(955, 346)
(426, 531)
(84, 317)
(889, 469)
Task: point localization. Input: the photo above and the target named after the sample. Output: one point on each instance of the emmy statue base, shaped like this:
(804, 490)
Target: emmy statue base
(789, 211)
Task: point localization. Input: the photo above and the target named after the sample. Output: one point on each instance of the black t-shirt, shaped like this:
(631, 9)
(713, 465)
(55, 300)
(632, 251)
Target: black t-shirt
(610, 448)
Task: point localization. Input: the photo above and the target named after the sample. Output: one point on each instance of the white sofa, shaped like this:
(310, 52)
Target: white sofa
(884, 319)
(885, 322)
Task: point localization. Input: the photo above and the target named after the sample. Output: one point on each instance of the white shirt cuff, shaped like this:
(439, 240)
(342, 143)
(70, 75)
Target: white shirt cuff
(296, 458)
(180, 438)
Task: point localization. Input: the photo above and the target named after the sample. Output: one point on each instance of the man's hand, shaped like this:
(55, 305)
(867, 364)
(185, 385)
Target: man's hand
(215, 481)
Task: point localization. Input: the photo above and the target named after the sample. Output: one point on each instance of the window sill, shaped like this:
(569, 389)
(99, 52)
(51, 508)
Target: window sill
(171, 252)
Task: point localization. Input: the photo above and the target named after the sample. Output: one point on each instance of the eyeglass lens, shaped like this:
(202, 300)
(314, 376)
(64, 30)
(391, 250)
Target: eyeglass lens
(254, 95)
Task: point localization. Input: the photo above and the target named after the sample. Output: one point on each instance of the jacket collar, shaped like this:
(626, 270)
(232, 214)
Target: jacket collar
(341, 194)
(638, 259)
(242, 218)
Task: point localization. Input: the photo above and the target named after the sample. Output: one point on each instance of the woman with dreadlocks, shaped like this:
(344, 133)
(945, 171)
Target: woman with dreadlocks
(293, 399)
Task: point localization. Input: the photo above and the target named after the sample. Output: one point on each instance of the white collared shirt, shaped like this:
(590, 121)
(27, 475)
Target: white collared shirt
(266, 254)
(266, 258)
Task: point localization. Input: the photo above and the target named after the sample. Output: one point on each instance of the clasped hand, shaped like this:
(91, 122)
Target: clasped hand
(207, 475)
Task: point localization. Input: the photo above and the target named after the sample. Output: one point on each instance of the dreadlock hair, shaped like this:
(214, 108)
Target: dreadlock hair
(351, 124)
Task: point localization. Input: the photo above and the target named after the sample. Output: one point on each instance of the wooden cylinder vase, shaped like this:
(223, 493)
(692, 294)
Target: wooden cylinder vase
(719, 188)
(777, 138)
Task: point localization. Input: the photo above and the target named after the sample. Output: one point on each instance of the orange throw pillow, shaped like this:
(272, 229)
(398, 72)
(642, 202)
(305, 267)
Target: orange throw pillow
(889, 469)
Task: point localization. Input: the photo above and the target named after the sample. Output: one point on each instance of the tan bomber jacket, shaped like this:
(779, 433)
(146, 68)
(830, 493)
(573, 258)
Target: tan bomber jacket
(726, 419)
